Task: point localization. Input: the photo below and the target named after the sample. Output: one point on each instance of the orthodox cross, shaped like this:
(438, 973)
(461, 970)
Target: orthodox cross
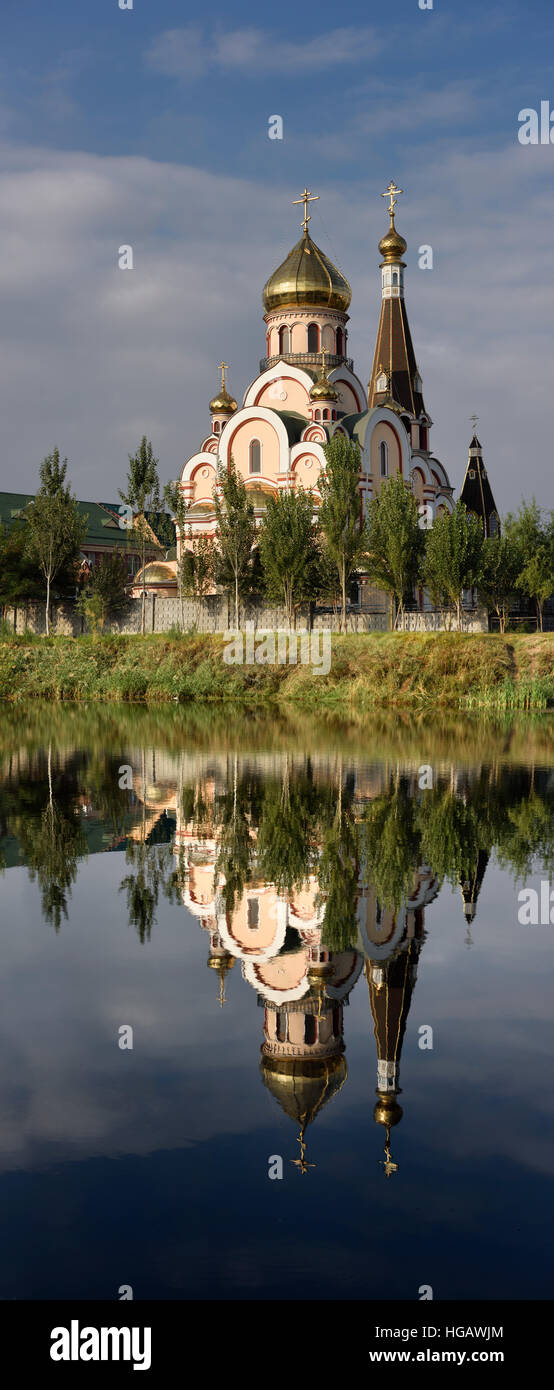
(306, 198)
(474, 418)
(323, 356)
(301, 1162)
(223, 367)
(390, 192)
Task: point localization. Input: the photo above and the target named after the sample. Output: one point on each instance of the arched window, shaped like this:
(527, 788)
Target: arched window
(340, 342)
(281, 1026)
(255, 456)
(384, 459)
(217, 427)
(318, 415)
(423, 438)
(395, 277)
(309, 1029)
(284, 340)
(313, 337)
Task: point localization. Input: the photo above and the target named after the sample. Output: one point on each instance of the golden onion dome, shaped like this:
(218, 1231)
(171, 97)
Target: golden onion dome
(223, 403)
(323, 390)
(392, 245)
(307, 277)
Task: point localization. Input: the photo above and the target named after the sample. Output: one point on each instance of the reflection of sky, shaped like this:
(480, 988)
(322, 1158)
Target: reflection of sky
(154, 1161)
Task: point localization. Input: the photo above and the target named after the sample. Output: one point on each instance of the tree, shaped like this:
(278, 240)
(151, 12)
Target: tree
(55, 530)
(143, 494)
(501, 567)
(176, 503)
(395, 540)
(340, 515)
(452, 559)
(289, 550)
(236, 530)
(196, 568)
(105, 593)
(535, 539)
(20, 578)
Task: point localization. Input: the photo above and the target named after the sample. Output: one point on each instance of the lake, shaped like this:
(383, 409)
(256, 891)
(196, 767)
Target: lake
(276, 1006)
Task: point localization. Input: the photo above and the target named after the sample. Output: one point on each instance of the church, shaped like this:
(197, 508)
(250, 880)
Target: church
(307, 390)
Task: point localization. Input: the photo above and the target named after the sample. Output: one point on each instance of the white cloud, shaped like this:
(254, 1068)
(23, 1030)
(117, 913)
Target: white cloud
(192, 50)
(92, 357)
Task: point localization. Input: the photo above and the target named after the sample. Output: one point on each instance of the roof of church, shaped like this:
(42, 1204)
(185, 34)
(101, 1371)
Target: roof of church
(307, 277)
(394, 353)
(103, 520)
(476, 491)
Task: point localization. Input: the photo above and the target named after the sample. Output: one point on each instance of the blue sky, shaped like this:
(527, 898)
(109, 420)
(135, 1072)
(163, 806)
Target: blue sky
(149, 127)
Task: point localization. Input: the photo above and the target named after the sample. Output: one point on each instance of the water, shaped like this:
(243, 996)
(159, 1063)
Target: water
(313, 933)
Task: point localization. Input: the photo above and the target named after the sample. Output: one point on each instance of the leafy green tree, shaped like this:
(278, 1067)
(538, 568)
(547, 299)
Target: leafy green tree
(340, 514)
(197, 568)
(395, 540)
(143, 494)
(104, 594)
(236, 530)
(55, 530)
(501, 566)
(534, 535)
(452, 558)
(177, 505)
(20, 577)
(289, 550)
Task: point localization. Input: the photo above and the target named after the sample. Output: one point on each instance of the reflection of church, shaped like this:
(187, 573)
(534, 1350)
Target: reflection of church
(303, 988)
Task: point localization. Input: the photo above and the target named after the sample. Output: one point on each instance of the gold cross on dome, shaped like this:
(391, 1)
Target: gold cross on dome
(223, 367)
(323, 356)
(306, 198)
(390, 192)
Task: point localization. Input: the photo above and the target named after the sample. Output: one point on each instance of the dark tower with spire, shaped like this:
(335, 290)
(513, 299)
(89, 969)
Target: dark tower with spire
(394, 374)
(477, 492)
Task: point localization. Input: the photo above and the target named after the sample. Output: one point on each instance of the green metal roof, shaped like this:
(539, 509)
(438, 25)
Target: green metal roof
(103, 527)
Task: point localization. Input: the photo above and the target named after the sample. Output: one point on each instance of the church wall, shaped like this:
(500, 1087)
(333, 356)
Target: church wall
(269, 440)
(384, 432)
(203, 480)
(306, 470)
(284, 393)
(347, 400)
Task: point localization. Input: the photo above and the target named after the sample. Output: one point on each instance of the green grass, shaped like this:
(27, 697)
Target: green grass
(411, 671)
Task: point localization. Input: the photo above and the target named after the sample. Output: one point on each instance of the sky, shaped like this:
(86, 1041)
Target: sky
(148, 127)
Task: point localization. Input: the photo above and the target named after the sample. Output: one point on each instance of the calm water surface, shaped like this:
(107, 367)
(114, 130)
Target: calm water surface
(340, 1078)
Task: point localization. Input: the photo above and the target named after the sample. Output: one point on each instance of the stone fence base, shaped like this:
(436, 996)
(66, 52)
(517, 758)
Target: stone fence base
(216, 614)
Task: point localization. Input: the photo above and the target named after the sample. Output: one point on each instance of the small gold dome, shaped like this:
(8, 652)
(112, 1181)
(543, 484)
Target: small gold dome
(223, 404)
(323, 390)
(392, 246)
(307, 277)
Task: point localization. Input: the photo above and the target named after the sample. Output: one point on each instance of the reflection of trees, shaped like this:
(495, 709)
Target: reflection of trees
(237, 810)
(338, 871)
(53, 843)
(153, 872)
(288, 832)
(390, 845)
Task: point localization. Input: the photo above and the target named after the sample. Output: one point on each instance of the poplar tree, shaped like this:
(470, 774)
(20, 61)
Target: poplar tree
(500, 573)
(236, 530)
(143, 494)
(340, 514)
(176, 503)
(289, 550)
(395, 540)
(534, 537)
(55, 529)
(453, 554)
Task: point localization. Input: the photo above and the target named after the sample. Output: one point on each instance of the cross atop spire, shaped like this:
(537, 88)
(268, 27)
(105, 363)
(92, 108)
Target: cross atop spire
(389, 193)
(474, 419)
(306, 198)
(223, 367)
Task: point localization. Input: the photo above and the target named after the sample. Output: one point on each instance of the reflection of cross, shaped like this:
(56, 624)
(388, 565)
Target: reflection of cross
(223, 367)
(301, 1162)
(387, 1162)
(306, 198)
(391, 190)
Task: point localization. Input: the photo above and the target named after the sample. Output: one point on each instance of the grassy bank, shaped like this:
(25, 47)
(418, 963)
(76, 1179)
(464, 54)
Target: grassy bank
(407, 670)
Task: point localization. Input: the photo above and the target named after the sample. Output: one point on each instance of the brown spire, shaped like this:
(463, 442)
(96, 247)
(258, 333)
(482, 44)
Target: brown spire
(394, 355)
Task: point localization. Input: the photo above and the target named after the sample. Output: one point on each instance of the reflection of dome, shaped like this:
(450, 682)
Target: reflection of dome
(302, 1087)
(307, 277)
(387, 1110)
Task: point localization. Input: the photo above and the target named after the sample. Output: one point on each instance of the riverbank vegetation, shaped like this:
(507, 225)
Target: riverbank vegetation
(406, 671)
